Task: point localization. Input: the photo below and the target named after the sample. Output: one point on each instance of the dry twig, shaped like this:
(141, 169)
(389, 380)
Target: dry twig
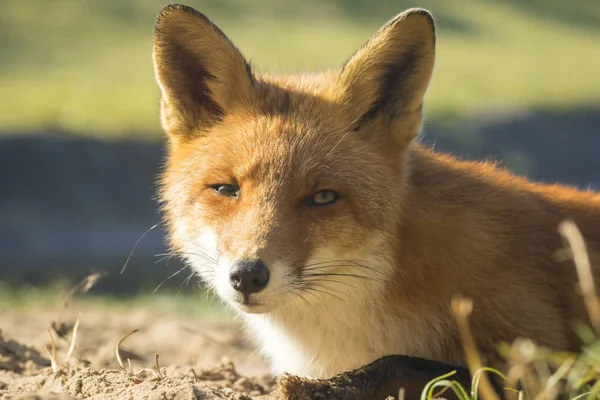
(462, 309)
(576, 243)
(118, 351)
(73, 339)
(157, 367)
(52, 354)
(83, 286)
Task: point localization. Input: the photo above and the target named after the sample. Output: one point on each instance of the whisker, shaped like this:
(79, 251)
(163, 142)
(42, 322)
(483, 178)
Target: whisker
(306, 301)
(306, 291)
(170, 276)
(339, 263)
(187, 280)
(367, 267)
(321, 263)
(323, 289)
(205, 256)
(166, 257)
(162, 254)
(181, 254)
(341, 274)
(329, 280)
(215, 253)
(135, 246)
(321, 283)
(325, 267)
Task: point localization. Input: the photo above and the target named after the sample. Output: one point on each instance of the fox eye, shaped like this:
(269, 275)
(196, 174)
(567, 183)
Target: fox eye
(226, 190)
(323, 198)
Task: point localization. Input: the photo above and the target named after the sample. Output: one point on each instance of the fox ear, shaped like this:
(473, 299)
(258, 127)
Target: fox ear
(201, 74)
(384, 83)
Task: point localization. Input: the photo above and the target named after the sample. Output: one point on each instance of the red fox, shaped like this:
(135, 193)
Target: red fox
(308, 204)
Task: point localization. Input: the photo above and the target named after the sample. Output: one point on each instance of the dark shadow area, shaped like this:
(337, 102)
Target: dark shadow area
(546, 146)
(69, 205)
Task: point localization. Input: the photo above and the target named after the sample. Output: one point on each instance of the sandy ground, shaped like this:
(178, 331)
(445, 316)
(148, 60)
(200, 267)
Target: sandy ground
(202, 353)
(191, 350)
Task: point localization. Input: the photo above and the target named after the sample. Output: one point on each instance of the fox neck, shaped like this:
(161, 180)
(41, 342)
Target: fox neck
(339, 336)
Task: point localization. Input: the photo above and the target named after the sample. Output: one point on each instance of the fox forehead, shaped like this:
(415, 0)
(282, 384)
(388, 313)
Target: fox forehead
(295, 151)
(280, 162)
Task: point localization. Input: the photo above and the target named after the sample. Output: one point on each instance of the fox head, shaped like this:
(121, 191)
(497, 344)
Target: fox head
(284, 190)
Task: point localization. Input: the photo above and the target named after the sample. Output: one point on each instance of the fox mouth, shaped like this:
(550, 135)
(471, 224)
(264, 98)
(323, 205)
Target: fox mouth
(251, 307)
(246, 301)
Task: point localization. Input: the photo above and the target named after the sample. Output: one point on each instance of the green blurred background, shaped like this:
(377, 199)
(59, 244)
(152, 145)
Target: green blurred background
(84, 65)
(80, 143)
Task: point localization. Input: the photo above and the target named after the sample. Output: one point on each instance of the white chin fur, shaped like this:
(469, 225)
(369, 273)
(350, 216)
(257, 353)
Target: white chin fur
(253, 309)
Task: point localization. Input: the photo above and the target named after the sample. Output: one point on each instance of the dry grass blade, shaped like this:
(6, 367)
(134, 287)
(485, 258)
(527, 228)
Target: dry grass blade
(157, 367)
(53, 363)
(52, 355)
(441, 392)
(118, 350)
(572, 235)
(515, 373)
(73, 338)
(195, 375)
(401, 394)
(83, 286)
(461, 309)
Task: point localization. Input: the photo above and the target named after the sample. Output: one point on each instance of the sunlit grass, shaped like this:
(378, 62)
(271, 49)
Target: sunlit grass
(86, 67)
(165, 302)
(541, 373)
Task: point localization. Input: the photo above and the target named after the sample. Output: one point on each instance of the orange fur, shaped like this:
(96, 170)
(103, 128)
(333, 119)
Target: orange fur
(417, 226)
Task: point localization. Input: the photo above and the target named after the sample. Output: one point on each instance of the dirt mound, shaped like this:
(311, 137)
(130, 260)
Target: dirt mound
(25, 374)
(190, 368)
(19, 358)
(89, 383)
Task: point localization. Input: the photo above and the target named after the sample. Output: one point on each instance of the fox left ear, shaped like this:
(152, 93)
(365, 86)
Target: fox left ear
(201, 74)
(384, 83)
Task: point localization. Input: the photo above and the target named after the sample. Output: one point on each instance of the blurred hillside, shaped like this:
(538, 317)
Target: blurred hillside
(80, 144)
(84, 66)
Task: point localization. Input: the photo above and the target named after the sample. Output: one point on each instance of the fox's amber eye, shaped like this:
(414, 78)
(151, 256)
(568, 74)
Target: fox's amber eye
(227, 190)
(323, 198)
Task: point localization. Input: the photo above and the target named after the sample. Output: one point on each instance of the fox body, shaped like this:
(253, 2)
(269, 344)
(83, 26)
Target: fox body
(309, 205)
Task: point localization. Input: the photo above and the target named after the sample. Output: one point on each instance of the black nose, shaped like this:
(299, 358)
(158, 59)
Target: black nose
(249, 276)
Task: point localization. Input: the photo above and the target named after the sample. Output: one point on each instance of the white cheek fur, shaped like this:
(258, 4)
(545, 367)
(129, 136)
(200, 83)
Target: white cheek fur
(214, 266)
(218, 271)
(201, 251)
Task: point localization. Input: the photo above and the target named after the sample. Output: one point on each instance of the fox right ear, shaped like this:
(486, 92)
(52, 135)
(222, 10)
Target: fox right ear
(384, 83)
(201, 74)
